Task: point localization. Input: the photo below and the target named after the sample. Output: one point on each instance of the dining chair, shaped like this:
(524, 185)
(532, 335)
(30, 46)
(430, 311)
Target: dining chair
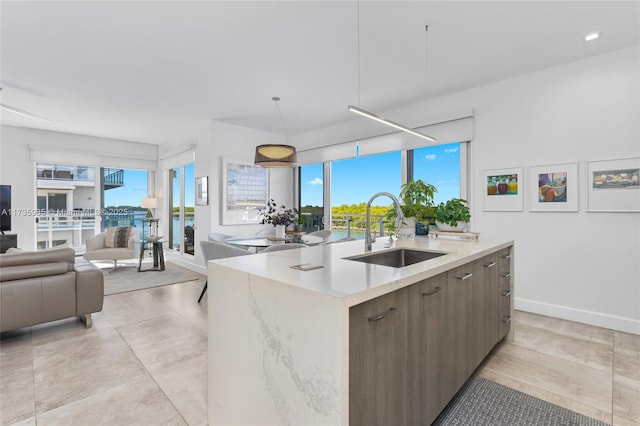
(286, 246)
(266, 232)
(341, 240)
(325, 234)
(217, 236)
(212, 250)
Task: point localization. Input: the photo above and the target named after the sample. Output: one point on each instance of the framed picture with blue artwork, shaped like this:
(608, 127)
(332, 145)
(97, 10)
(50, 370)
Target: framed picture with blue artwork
(553, 188)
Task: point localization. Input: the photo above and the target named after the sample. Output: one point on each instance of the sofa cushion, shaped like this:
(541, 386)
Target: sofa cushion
(9, 273)
(117, 236)
(65, 255)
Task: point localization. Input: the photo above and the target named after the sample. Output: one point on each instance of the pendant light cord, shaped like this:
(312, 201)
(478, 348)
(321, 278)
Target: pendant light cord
(279, 114)
(358, 48)
(426, 62)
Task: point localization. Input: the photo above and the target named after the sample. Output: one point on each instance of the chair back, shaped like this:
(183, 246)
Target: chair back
(217, 236)
(325, 234)
(212, 250)
(286, 246)
(341, 240)
(266, 232)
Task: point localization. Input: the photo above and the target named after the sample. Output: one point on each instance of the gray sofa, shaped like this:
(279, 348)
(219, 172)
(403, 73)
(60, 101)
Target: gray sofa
(48, 285)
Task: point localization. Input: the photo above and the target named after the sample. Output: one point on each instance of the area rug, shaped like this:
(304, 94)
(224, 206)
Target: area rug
(129, 279)
(483, 402)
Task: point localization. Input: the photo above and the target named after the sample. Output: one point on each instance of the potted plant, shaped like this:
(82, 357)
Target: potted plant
(453, 215)
(278, 216)
(417, 207)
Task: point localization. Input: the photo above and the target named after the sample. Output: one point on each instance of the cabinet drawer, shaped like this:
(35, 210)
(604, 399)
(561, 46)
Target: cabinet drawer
(504, 281)
(504, 260)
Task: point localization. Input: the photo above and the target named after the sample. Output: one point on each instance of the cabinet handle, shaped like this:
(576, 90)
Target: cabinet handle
(379, 317)
(506, 275)
(490, 265)
(508, 256)
(437, 289)
(467, 275)
(507, 320)
(507, 293)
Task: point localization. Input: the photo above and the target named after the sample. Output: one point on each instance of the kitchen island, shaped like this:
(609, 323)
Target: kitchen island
(352, 342)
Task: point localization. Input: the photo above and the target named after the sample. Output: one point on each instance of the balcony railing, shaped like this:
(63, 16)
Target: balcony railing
(113, 178)
(352, 224)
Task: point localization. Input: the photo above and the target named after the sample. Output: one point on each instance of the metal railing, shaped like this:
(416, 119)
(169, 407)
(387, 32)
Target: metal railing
(351, 223)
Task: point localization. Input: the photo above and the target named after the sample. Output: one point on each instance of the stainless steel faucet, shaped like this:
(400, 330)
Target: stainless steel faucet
(367, 236)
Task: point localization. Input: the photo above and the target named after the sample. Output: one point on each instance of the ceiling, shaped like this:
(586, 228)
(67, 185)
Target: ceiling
(148, 71)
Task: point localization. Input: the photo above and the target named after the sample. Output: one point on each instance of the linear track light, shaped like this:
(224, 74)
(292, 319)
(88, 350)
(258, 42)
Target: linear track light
(376, 117)
(24, 113)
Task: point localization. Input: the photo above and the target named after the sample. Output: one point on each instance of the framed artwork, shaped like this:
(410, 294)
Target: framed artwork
(245, 190)
(613, 185)
(553, 188)
(503, 189)
(202, 191)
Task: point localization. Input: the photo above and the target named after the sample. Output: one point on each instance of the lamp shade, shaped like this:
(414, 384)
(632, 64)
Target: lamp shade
(273, 155)
(149, 203)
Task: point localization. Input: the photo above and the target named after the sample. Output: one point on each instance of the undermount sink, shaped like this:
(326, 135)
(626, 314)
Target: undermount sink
(397, 258)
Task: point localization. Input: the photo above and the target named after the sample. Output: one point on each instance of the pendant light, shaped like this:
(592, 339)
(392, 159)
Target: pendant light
(276, 155)
(374, 116)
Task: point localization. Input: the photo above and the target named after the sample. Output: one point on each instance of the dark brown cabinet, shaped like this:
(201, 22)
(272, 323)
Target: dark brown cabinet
(378, 340)
(411, 350)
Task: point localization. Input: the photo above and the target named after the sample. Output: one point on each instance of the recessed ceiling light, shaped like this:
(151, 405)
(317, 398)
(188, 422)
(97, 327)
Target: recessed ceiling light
(591, 36)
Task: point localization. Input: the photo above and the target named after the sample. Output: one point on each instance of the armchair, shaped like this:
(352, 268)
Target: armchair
(97, 248)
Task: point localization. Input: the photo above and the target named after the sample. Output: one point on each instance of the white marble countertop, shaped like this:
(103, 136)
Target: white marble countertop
(355, 282)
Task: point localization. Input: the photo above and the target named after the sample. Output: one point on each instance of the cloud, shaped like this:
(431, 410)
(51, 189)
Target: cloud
(451, 150)
(316, 181)
(430, 157)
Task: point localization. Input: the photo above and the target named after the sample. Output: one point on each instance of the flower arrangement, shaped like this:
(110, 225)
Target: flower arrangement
(278, 215)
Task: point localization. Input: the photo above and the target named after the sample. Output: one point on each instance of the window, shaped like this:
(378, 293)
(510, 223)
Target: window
(440, 166)
(353, 183)
(182, 205)
(312, 196)
(123, 191)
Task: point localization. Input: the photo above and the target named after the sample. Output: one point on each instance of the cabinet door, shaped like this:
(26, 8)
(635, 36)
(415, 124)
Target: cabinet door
(378, 361)
(460, 283)
(430, 348)
(489, 317)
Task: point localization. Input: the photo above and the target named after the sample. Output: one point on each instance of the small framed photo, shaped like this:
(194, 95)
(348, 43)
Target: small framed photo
(202, 191)
(613, 185)
(553, 188)
(503, 189)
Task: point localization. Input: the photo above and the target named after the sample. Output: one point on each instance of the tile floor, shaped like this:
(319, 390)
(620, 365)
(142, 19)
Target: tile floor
(144, 362)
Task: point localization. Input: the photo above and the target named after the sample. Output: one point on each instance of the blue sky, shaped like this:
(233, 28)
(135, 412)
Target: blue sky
(133, 191)
(356, 180)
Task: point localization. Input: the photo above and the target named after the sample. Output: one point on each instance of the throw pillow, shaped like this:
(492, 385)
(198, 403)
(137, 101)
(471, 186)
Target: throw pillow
(117, 237)
(110, 237)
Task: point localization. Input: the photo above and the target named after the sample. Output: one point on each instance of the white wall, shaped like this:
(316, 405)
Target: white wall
(213, 141)
(21, 147)
(579, 266)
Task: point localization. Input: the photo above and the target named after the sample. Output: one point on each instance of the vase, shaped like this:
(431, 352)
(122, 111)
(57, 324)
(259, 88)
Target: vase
(446, 227)
(280, 231)
(408, 228)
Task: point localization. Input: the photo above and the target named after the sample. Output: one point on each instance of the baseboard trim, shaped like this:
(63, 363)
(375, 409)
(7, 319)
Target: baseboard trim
(186, 263)
(613, 322)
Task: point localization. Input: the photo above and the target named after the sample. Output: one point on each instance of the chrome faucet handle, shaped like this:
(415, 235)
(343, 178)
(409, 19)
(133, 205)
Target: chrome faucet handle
(372, 237)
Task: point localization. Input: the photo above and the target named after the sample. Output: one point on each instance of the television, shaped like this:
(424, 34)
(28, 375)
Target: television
(5, 208)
